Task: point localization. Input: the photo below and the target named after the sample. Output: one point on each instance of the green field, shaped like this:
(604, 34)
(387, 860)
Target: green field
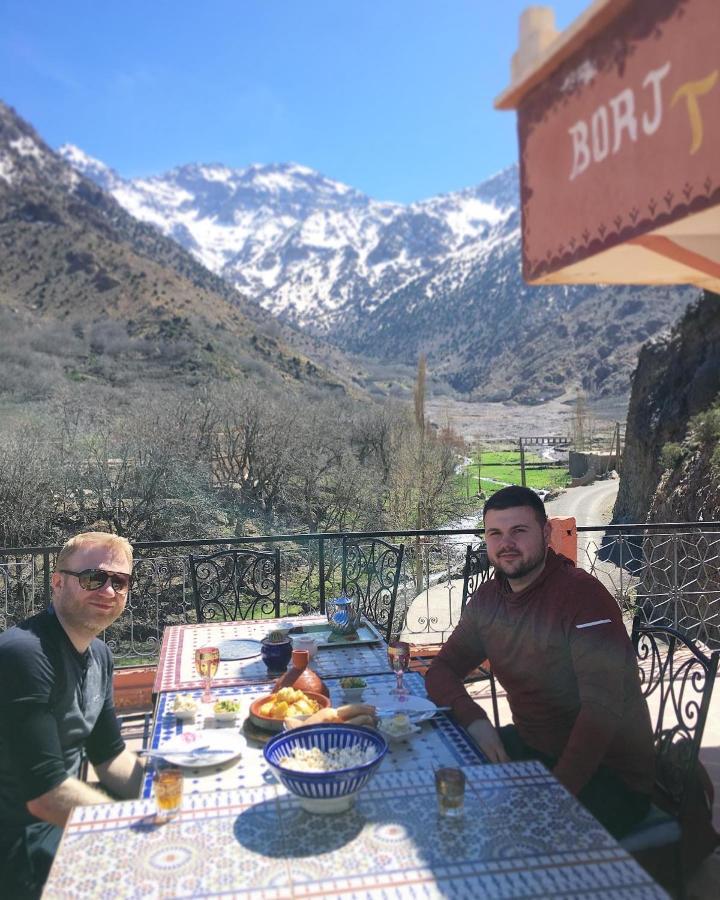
(504, 466)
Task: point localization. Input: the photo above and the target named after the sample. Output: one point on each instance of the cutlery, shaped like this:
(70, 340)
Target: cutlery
(394, 710)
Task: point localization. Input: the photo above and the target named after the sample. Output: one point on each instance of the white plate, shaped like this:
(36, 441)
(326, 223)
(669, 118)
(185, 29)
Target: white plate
(221, 747)
(418, 708)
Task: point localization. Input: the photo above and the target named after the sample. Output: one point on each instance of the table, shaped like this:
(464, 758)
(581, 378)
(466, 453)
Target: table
(440, 743)
(176, 666)
(261, 845)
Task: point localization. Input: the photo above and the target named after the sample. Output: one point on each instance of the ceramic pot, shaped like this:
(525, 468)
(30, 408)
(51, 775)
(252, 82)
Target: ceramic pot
(301, 676)
(276, 656)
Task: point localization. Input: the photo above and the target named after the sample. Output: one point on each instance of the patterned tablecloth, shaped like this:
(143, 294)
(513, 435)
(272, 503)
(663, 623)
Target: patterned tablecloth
(522, 835)
(176, 666)
(439, 743)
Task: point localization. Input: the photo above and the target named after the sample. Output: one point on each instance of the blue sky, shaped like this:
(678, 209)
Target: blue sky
(393, 97)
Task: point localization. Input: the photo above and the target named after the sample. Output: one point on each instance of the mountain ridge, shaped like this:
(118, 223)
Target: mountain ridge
(389, 281)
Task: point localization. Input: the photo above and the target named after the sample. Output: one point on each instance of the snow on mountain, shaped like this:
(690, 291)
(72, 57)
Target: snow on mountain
(304, 246)
(391, 281)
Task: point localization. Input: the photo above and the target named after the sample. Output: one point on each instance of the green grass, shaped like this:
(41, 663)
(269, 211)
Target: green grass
(506, 468)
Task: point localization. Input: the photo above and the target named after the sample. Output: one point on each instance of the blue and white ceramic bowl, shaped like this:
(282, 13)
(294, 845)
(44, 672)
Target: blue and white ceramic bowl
(326, 792)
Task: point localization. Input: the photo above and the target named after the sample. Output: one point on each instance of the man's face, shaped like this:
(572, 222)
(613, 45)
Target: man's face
(90, 612)
(516, 542)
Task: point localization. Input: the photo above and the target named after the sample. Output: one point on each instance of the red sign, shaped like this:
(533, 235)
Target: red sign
(624, 136)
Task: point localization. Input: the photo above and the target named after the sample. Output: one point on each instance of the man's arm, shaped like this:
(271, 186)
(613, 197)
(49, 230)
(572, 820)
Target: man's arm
(55, 805)
(122, 776)
(598, 645)
(460, 654)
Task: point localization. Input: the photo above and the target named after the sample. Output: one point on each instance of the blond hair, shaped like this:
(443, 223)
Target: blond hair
(103, 538)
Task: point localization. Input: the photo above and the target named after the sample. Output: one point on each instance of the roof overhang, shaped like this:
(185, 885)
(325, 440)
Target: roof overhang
(619, 133)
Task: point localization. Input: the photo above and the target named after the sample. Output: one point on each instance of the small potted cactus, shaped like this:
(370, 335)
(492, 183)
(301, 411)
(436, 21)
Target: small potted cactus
(276, 650)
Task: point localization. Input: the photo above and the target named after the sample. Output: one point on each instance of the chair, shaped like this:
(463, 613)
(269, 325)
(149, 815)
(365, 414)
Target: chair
(476, 571)
(236, 584)
(371, 573)
(679, 677)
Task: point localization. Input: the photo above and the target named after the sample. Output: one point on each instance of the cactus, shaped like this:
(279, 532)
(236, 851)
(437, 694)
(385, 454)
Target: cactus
(276, 637)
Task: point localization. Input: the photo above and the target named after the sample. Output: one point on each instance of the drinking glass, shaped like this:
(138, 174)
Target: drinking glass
(168, 784)
(450, 791)
(399, 659)
(207, 660)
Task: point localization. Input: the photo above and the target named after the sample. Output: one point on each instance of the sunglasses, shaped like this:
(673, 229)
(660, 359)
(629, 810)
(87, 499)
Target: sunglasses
(94, 579)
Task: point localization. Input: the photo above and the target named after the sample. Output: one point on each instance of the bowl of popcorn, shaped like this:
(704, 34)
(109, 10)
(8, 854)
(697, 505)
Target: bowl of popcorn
(325, 766)
(398, 727)
(184, 708)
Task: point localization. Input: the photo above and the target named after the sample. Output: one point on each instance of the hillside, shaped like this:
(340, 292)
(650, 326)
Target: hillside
(388, 281)
(89, 294)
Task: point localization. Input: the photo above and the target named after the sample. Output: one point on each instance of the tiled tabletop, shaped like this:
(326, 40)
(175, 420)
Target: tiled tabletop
(176, 666)
(522, 835)
(440, 742)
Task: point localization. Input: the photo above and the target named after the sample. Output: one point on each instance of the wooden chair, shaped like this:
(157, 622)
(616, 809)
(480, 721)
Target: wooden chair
(679, 677)
(236, 584)
(476, 571)
(371, 573)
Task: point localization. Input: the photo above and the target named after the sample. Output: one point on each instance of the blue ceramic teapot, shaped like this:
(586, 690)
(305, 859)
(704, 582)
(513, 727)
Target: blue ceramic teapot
(343, 614)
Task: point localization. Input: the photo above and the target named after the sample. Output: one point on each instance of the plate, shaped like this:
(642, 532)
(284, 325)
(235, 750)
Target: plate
(239, 649)
(418, 708)
(211, 749)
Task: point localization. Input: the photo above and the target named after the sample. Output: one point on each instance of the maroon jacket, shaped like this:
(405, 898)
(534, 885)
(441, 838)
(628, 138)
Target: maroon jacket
(562, 653)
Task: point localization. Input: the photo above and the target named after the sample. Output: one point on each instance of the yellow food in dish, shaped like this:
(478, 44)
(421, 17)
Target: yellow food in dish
(288, 702)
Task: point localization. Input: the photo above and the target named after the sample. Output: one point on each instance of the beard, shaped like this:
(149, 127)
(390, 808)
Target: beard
(518, 566)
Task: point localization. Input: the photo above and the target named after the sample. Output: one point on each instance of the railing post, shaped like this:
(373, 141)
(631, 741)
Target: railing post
(46, 576)
(321, 564)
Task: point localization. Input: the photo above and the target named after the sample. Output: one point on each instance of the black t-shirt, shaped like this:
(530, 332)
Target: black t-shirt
(54, 701)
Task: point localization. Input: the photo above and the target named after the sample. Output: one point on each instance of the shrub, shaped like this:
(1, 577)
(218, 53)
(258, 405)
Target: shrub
(671, 455)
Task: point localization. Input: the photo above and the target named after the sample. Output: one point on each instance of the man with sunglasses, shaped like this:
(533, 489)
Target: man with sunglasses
(56, 705)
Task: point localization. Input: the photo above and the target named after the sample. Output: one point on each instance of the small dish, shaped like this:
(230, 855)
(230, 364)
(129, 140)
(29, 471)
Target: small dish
(226, 710)
(352, 695)
(184, 708)
(397, 728)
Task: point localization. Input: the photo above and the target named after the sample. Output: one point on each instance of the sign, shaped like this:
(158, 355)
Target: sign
(624, 136)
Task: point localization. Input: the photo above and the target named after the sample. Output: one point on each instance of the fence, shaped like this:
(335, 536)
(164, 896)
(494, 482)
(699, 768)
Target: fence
(669, 572)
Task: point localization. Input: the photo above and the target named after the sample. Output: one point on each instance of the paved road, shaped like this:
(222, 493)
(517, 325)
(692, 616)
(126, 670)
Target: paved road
(590, 504)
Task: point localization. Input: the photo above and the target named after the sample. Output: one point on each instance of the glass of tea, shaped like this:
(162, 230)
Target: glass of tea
(207, 661)
(399, 659)
(450, 791)
(168, 787)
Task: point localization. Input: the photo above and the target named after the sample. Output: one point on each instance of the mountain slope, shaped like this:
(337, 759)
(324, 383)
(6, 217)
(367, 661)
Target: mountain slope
(106, 297)
(441, 276)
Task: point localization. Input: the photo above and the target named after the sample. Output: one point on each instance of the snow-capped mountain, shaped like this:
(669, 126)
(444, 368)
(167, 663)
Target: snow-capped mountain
(390, 281)
(303, 246)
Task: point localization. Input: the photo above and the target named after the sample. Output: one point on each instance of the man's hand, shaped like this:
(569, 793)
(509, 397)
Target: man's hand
(488, 740)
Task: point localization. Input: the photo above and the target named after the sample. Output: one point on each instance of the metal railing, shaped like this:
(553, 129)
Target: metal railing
(668, 572)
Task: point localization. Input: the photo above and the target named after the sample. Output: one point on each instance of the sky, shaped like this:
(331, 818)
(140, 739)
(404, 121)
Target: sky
(393, 97)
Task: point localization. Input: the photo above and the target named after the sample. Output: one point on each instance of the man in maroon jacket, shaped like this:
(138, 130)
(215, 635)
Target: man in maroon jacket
(556, 642)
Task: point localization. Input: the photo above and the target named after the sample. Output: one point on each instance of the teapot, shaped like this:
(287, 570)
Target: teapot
(343, 614)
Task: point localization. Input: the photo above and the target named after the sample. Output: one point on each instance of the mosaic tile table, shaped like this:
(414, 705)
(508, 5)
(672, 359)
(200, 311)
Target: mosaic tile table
(522, 835)
(176, 666)
(440, 742)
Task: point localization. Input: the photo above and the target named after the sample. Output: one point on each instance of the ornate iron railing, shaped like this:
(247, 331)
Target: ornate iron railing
(670, 573)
